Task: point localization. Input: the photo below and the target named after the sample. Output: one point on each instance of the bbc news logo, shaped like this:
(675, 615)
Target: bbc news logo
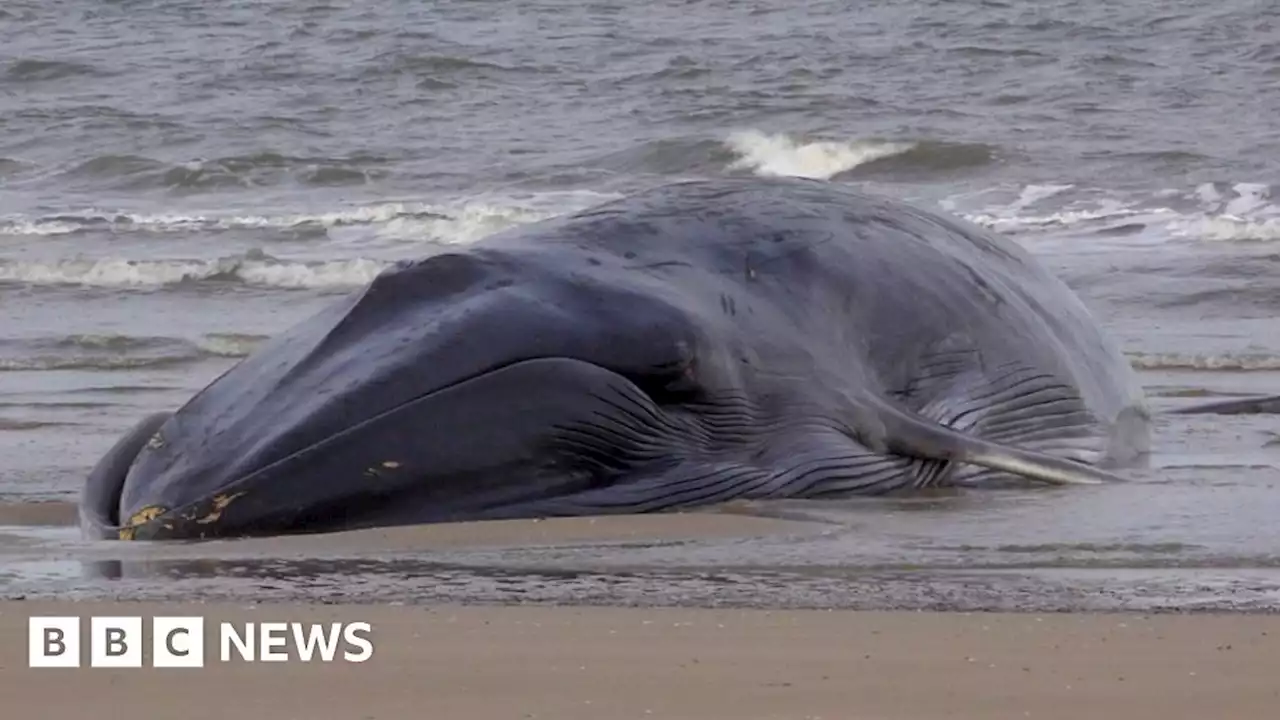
(179, 642)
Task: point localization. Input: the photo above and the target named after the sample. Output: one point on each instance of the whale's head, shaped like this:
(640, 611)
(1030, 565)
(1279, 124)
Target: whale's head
(470, 384)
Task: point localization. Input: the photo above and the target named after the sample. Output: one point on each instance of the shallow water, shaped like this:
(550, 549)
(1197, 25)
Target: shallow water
(179, 181)
(882, 555)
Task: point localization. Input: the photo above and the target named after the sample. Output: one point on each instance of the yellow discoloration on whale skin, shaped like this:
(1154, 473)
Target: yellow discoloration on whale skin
(147, 514)
(220, 502)
(143, 516)
(129, 530)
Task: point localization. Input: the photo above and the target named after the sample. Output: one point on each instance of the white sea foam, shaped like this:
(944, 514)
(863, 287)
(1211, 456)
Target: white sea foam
(80, 363)
(1013, 222)
(1208, 361)
(460, 222)
(229, 344)
(24, 226)
(120, 351)
(1250, 198)
(1227, 228)
(779, 154)
(448, 223)
(1032, 209)
(263, 272)
(1241, 213)
(1032, 194)
(93, 218)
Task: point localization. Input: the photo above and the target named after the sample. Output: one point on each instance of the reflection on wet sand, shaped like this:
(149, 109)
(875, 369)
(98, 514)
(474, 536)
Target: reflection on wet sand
(1050, 551)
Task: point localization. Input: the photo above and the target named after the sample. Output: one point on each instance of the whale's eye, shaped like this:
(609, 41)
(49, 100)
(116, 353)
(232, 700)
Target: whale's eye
(670, 384)
(676, 379)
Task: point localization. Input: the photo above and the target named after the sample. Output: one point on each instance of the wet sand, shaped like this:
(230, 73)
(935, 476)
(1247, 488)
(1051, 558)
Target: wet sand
(477, 663)
(890, 555)
(702, 615)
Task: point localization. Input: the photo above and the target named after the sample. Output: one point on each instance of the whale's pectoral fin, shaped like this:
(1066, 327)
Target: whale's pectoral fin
(1010, 419)
(922, 438)
(1266, 405)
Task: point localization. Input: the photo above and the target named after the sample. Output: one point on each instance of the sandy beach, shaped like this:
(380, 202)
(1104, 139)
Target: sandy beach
(479, 663)
(460, 630)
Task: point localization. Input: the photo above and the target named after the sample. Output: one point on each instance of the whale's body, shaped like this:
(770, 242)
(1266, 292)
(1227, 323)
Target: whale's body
(687, 345)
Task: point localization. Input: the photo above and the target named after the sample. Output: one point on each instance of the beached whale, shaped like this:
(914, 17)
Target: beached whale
(691, 344)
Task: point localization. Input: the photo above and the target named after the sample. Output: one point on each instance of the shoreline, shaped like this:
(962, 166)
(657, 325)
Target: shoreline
(727, 559)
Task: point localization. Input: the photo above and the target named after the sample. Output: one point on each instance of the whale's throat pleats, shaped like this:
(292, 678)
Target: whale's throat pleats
(964, 425)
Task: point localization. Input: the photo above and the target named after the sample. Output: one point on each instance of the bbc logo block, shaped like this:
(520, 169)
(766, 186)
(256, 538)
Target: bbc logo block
(177, 642)
(115, 642)
(53, 642)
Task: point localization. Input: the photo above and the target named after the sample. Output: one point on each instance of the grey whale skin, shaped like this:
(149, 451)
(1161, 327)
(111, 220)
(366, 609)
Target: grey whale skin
(691, 344)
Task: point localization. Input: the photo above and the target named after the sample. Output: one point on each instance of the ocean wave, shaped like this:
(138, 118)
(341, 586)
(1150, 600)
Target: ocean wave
(7, 425)
(1224, 361)
(220, 344)
(1062, 219)
(1227, 228)
(137, 172)
(1237, 213)
(9, 166)
(229, 344)
(669, 156)
(1234, 199)
(469, 220)
(93, 219)
(255, 269)
(28, 364)
(932, 157)
(120, 352)
(445, 223)
(781, 155)
(33, 70)
(435, 65)
(1200, 215)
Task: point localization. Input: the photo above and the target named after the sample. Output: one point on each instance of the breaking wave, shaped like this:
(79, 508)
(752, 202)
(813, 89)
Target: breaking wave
(1230, 229)
(782, 155)
(254, 269)
(120, 352)
(1226, 361)
(137, 172)
(1240, 212)
(448, 223)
